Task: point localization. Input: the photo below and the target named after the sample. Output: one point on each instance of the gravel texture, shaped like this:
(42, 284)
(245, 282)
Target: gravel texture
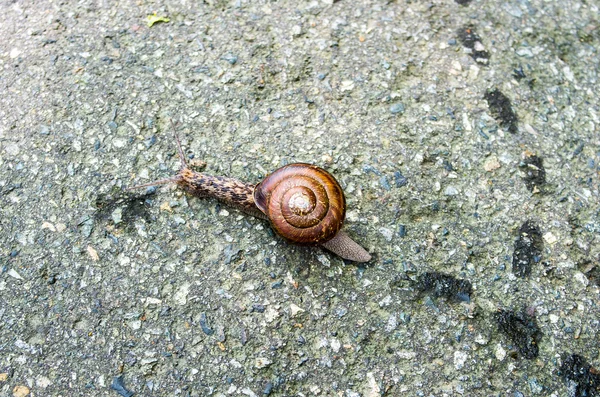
(450, 125)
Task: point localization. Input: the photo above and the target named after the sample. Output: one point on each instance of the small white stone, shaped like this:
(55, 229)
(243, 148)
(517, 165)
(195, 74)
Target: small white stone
(406, 355)
(373, 387)
(144, 174)
(473, 73)
(388, 234)
(352, 216)
(153, 301)
(451, 191)
(392, 323)
(481, 340)
(550, 238)
(335, 345)
(324, 260)
(15, 52)
(296, 30)
(13, 273)
(134, 324)
(271, 314)
(347, 85)
(49, 226)
(180, 296)
(248, 392)
(223, 212)
(119, 142)
(581, 278)
(500, 353)
(12, 150)
(385, 301)
(123, 260)
(459, 359)
(117, 215)
(262, 362)
(466, 122)
(524, 52)
(294, 309)
(553, 318)
(568, 74)
(491, 164)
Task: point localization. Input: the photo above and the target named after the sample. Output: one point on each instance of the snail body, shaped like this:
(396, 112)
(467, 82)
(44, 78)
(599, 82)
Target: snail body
(304, 203)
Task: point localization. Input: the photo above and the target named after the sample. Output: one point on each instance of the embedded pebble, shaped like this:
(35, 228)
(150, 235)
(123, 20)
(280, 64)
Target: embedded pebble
(262, 362)
(232, 59)
(373, 388)
(451, 191)
(247, 391)
(13, 273)
(491, 164)
(117, 215)
(12, 149)
(324, 260)
(49, 226)
(14, 53)
(500, 353)
(388, 234)
(347, 85)
(93, 253)
(460, 358)
(180, 296)
(550, 238)
(397, 108)
(20, 391)
(335, 345)
(119, 386)
(224, 212)
(294, 309)
(178, 220)
(392, 323)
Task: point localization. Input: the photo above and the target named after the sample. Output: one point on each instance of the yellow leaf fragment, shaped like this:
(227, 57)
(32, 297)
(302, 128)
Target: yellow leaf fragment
(153, 18)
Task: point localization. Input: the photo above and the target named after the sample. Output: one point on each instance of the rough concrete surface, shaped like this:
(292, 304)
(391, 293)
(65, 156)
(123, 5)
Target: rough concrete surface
(449, 124)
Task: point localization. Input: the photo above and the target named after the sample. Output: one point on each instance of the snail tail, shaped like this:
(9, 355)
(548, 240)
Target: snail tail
(342, 245)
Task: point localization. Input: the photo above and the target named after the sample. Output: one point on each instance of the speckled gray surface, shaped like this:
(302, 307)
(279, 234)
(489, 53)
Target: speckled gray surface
(181, 296)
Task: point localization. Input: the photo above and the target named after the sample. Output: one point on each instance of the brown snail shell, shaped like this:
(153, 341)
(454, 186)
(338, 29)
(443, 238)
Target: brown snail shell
(304, 203)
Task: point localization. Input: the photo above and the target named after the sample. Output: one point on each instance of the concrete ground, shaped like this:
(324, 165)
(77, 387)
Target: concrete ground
(448, 125)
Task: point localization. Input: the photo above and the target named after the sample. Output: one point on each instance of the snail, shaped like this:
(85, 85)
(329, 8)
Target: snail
(304, 203)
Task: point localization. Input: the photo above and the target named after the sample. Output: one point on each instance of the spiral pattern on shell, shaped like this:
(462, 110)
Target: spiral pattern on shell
(304, 203)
